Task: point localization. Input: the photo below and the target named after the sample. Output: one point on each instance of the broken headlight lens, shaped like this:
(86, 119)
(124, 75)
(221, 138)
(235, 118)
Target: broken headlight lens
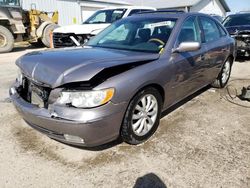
(86, 99)
(19, 78)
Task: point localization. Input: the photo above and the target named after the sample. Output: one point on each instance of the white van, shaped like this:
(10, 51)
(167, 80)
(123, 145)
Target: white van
(77, 35)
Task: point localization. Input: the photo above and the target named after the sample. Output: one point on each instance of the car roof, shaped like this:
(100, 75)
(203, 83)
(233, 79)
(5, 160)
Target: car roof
(239, 14)
(169, 14)
(130, 7)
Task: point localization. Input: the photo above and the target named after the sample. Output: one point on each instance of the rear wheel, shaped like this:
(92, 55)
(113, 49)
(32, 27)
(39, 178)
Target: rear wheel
(46, 34)
(6, 40)
(142, 116)
(224, 75)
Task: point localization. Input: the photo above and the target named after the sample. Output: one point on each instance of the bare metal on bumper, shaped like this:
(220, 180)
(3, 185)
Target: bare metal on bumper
(95, 126)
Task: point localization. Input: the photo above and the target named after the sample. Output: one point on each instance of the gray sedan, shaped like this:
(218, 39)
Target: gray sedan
(120, 82)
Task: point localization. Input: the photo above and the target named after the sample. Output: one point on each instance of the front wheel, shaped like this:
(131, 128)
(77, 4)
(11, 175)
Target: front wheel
(224, 75)
(6, 40)
(46, 34)
(142, 116)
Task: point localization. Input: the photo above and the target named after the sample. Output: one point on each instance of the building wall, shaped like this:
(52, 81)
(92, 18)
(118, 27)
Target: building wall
(209, 7)
(44, 5)
(70, 11)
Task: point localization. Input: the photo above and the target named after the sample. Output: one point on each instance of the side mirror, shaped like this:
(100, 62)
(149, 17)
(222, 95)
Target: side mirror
(188, 47)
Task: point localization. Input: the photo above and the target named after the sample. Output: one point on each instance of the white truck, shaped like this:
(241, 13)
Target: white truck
(77, 35)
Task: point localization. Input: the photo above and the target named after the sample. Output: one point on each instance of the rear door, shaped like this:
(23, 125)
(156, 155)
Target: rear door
(216, 43)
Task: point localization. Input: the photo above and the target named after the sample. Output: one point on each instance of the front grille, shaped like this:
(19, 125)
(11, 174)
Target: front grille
(61, 40)
(243, 39)
(30, 86)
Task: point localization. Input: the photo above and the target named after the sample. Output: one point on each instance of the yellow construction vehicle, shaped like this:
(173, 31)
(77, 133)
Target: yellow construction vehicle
(17, 25)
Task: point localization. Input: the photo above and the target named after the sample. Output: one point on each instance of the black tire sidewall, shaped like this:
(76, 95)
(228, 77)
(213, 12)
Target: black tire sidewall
(10, 40)
(131, 137)
(46, 34)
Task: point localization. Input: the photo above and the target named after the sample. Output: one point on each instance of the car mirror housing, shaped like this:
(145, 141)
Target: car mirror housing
(187, 47)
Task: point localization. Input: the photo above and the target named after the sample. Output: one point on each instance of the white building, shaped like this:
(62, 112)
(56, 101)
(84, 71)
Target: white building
(218, 7)
(76, 11)
(71, 11)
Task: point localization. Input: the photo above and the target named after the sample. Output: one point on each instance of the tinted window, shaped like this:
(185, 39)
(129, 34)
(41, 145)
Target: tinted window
(211, 31)
(236, 20)
(106, 16)
(190, 31)
(222, 31)
(137, 11)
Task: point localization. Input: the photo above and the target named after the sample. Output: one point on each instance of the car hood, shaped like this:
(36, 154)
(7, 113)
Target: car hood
(235, 29)
(81, 29)
(58, 67)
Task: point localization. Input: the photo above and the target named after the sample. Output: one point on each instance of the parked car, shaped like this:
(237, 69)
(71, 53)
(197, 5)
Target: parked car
(77, 35)
(119, 83)
(238, 25)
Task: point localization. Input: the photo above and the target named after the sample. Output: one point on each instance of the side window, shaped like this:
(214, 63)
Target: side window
(222, 31)
(210, 29)
(190, 31)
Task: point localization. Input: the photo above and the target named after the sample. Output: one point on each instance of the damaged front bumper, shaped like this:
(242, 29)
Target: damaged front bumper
(243, 43)
(83, 127)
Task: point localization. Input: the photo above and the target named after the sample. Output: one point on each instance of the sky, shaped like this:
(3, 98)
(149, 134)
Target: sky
(238, 5)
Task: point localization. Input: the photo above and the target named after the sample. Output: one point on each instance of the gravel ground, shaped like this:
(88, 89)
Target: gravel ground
(204, 142)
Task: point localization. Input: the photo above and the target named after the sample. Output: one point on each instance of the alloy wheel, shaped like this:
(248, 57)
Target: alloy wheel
(226, 72)
(144, 115)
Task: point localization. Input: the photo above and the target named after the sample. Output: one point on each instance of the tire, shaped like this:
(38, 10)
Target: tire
(6, 40)
(46, 34)
(130, 133)
(224, 75)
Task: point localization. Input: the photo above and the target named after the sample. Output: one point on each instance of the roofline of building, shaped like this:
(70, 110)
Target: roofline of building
(225, 5)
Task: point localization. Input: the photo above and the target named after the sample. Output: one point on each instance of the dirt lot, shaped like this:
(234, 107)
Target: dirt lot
(203, 143)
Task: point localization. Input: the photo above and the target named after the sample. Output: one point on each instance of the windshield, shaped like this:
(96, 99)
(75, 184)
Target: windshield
(136, 34)
(237, 20)
(106, 16)
(10, 2)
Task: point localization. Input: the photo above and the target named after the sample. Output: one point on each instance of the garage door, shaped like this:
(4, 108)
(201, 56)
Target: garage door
(88, 11)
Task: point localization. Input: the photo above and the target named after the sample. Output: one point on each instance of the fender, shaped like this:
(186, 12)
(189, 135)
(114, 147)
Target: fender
(103, 75)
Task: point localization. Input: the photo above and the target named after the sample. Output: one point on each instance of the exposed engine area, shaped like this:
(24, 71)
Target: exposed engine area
(243, 42)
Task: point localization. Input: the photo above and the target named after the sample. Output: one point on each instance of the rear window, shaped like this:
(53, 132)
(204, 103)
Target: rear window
(236, 20)
(135, 11)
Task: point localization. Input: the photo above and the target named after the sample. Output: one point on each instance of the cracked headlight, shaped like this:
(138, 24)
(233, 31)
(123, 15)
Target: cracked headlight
(86, 99)
(19, 78)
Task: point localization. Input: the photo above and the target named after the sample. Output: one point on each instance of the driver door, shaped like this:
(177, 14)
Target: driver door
(188, 67)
